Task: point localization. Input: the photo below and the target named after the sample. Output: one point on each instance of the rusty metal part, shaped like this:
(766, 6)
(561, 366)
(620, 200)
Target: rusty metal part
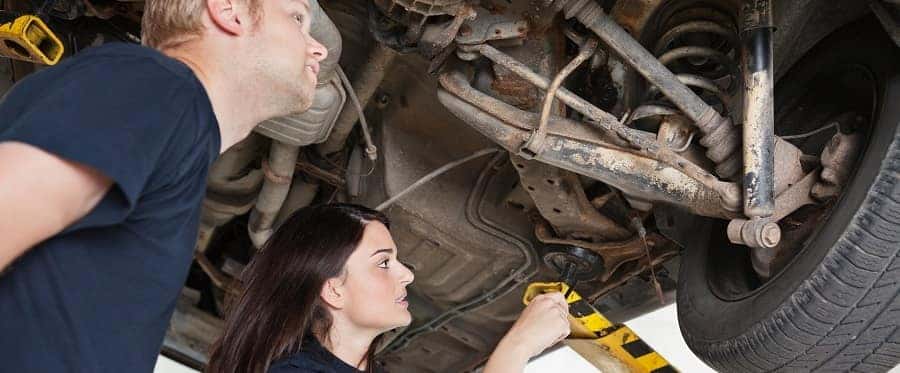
(758, 233)
(641, 176)
(587, 154)
(279, 170)
(759, 112)
(796, 196)
(643, 141)
(765, 260)
(675, 133)
(364, 84)
(317, 172)
(435, 38)
(559, 196)
(788, 165)
(695, 27)
(634, 15)
(614, 254)
(486, 26)
(648, 110)
(691, 50)
(427, 8)
(536, 140)
(513, 89)
(658, 255)
(604, 120)
(719, 136)
(696, 81)
(837, 159)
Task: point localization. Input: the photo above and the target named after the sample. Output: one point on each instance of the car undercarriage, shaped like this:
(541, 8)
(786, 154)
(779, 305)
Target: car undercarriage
(719, 153)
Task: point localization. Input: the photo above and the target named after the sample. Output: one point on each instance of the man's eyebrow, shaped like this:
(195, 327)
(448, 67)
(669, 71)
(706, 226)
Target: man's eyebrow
(389, 251)
(305, 4)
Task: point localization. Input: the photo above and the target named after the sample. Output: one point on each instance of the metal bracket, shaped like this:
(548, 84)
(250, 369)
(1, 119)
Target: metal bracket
(486, 26)
(764, 232)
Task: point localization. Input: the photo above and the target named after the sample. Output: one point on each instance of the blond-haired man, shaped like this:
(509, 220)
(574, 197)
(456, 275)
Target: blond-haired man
(103, 162)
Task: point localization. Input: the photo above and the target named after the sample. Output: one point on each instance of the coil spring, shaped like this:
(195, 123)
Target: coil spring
(701, 47)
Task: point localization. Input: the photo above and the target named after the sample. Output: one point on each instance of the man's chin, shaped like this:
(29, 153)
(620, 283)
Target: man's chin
(301, 108)
(305, 105)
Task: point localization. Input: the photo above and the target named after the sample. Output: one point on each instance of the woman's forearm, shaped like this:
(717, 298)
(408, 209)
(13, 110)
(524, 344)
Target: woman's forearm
(508, 357)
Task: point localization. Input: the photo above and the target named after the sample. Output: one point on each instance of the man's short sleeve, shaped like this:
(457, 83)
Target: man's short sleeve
(116, 117)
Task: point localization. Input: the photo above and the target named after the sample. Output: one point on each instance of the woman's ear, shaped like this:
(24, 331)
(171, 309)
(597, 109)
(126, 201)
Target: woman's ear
(333, 293)
(229, 16)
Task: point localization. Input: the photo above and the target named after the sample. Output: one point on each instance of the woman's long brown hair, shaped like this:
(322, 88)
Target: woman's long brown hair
(280, 301)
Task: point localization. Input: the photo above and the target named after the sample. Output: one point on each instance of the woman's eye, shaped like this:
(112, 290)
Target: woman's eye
(384, 263)
(299, 19)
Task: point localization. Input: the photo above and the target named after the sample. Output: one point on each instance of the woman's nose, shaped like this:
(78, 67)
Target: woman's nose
(408, 276)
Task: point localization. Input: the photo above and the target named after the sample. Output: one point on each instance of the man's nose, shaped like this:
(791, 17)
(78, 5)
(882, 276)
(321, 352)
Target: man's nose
(317, 50)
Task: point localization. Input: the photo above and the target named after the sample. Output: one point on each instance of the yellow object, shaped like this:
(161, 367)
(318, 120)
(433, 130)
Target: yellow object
(616, 339)
(28, 38)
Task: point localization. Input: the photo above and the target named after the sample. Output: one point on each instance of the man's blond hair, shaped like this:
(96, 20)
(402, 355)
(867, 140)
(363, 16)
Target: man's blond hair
(167, 23)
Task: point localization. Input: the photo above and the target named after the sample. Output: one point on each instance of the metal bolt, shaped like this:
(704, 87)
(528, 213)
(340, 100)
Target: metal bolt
(770, 235)
(382, 100)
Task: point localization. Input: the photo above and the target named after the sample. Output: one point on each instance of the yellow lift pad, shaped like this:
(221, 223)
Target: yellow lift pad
(590, 328)
(29, 39)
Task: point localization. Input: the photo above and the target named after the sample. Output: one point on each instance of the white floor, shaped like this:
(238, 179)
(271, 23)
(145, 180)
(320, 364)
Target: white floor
(166, 365)
(659, 329)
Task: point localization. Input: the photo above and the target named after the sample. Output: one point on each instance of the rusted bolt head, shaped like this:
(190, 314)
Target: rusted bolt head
(770, 235)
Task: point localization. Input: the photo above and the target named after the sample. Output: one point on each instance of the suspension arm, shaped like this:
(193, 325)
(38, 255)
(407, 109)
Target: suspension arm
(719, 136)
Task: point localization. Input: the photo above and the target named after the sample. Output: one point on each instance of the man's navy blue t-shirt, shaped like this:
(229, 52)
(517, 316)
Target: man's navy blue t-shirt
(98, 296)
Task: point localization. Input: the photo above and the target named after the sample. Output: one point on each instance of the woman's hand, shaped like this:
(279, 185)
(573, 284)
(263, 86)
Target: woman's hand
(542, 324)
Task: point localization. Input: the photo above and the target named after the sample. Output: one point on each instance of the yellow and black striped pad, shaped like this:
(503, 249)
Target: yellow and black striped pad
(617, 339)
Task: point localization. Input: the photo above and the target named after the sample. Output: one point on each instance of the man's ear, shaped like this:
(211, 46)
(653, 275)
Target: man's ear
(333, 293)
(229, 15)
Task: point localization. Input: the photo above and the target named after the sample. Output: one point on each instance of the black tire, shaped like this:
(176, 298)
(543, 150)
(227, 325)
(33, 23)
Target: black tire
(835, 305)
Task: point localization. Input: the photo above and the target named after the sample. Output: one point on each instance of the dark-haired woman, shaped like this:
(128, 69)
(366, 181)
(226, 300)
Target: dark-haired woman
(325, 287)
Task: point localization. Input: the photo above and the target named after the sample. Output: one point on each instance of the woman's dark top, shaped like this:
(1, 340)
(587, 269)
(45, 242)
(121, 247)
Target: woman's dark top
(312, 358)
